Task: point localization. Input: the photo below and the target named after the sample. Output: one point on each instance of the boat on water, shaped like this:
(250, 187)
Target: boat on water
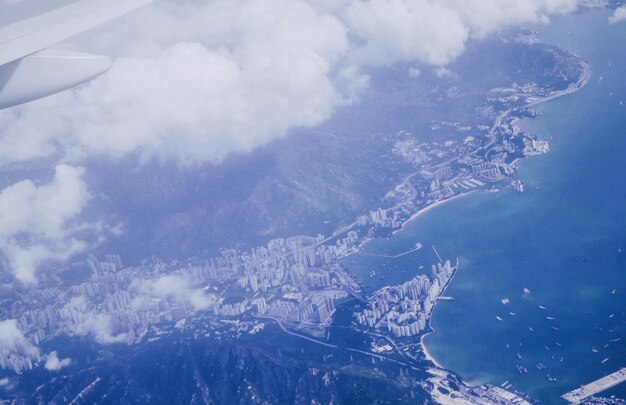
(606, 346)
(562, 358)
(555, 328)
(512, 314)
(505, 301)
(593, 349)
(550, 318)
(504, 383)
(542, 307)
(498, 318)
(540, 366)
(558, 344)
(611, 316)
(613, 292)
(615, 340)
(531, 329)
(605, 360)
(519, 356)
(547, 348)
(550, 378)
(526, 290)
(521, 369)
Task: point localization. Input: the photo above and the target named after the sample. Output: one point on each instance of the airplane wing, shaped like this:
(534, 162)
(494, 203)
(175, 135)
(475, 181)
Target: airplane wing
(28, 27)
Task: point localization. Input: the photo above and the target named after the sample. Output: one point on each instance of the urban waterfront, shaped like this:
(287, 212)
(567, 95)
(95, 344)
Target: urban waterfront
(560, 240)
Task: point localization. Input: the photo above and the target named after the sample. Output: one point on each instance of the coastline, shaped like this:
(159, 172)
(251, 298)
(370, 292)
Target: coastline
(580, 84)
(430, 207)
(427, 355)
(431, 331)
(415, 216)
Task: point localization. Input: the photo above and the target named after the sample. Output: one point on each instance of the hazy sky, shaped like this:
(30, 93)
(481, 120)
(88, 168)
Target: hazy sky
(194, 81)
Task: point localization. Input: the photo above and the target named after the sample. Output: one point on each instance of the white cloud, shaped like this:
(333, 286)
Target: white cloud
(484, 17)
(405, 31)
(13, 340)
(415, 72)
(172, 287)
(99, 326)
(195, 81)
(211, 79)
(85, 321)
(618, 15)
(442, 72)
(436, 32)
(53, 363)
(37, 222)
(16, 351)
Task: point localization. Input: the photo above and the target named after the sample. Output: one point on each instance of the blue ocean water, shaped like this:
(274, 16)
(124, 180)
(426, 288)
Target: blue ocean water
(564, 240)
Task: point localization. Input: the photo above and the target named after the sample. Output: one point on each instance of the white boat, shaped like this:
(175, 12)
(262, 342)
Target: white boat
(498, 318)
(526, 290)
(605, 360)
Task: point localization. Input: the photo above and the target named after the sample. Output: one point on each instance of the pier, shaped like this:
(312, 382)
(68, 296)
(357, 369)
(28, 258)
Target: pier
(417, 247)
(579, 395)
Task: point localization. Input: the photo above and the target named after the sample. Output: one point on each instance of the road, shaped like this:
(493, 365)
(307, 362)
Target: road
(319, 342)
(582, 82)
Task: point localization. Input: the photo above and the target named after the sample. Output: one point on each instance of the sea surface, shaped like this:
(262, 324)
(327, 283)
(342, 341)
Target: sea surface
(564, 240)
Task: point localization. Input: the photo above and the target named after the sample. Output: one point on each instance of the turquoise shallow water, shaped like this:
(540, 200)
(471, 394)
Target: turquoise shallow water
(561, 240)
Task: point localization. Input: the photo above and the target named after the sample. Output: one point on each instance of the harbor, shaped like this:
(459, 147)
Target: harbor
(572, 264)
(579, 395)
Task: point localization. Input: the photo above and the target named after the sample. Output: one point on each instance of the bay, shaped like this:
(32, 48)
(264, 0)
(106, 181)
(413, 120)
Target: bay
(564, 240)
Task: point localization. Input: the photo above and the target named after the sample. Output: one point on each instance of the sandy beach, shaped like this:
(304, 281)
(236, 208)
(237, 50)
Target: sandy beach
(427, 354)
(432, 206)
(516, 123)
